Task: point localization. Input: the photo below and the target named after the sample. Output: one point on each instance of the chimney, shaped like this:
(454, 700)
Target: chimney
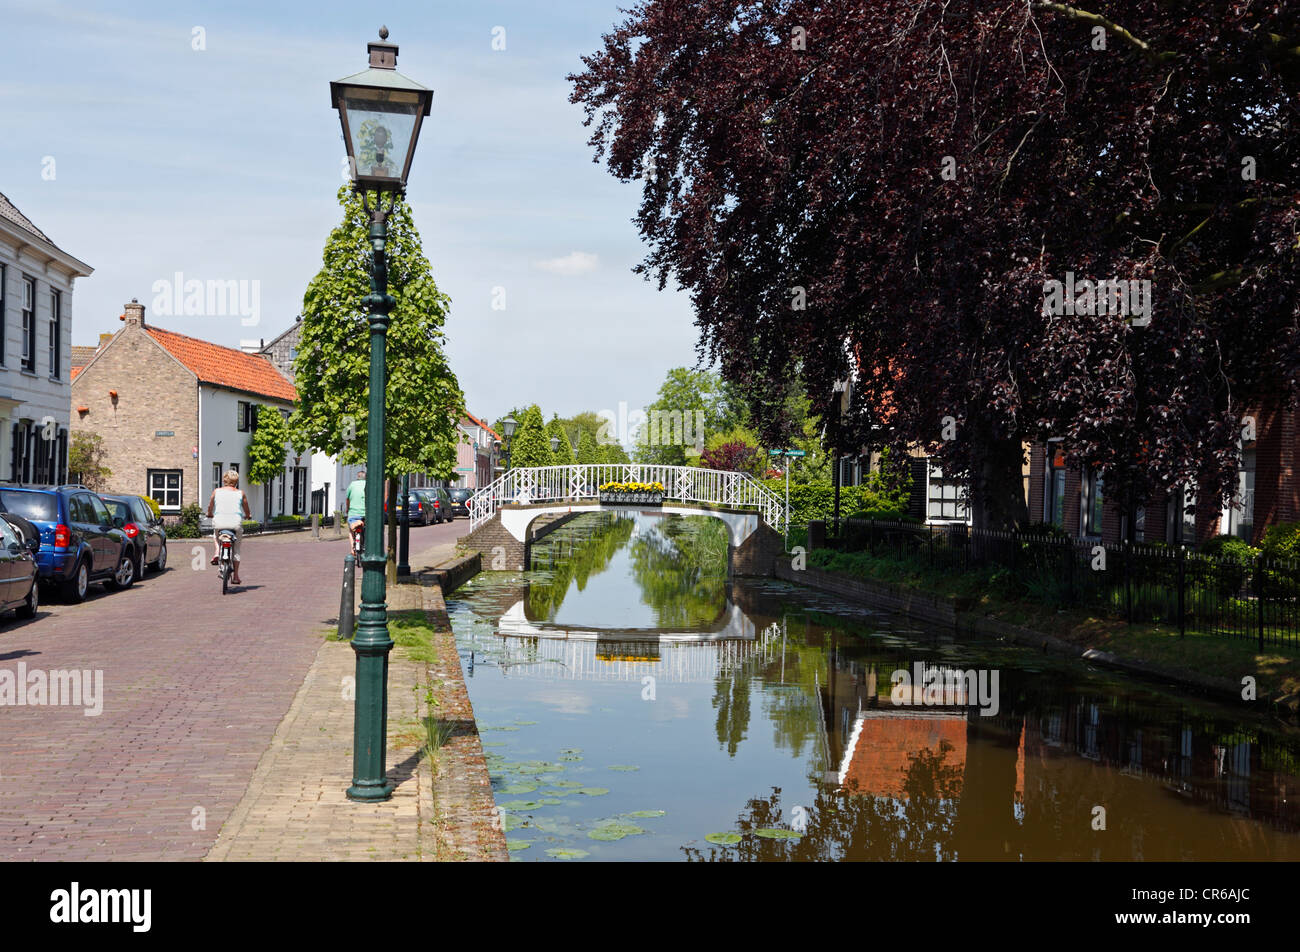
(104, 339)
(134, 313)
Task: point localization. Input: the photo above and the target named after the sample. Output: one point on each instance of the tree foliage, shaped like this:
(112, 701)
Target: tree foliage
(563, 453)
(891, 196)
(267, 448)
(588, 452)
(423, 400)
(86, 461)
(531, 445)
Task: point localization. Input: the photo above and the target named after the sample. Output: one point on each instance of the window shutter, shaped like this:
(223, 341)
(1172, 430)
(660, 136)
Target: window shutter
(916, 500)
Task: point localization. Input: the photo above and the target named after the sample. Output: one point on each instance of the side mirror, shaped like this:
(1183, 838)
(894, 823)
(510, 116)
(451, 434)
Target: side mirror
(15, 548)
(33, 546)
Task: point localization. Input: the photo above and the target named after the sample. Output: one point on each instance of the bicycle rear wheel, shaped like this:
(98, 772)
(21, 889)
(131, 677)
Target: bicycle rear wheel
(225, 579)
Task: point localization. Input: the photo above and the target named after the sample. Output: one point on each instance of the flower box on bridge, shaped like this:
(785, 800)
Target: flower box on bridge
(632, 494)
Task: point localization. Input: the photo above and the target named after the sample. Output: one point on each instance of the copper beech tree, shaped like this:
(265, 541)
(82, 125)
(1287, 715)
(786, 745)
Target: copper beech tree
(891, 187)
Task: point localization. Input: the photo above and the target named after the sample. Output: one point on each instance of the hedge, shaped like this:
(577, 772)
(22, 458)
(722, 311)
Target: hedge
(811, 501)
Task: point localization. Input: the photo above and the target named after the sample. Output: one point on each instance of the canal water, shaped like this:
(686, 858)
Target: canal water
(636, 705)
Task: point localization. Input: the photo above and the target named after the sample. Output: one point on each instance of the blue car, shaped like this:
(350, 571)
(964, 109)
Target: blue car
(81, 542)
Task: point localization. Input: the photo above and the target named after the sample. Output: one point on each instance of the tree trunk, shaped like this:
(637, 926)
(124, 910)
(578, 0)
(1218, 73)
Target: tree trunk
(998, 485)
(390, 568)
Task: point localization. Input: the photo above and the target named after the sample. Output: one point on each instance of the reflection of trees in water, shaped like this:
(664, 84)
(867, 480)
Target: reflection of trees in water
(841, 824)
(575, 554)
(681, 569)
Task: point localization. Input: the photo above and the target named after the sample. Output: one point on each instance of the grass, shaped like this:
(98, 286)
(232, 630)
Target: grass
(412, 632)
(989, 592)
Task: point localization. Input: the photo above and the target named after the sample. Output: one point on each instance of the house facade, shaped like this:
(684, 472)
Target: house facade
(36, 284)
(175, 412)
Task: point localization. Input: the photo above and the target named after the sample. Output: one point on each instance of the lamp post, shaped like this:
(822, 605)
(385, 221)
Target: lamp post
(380, 111)
(509, 424)
(555, 445)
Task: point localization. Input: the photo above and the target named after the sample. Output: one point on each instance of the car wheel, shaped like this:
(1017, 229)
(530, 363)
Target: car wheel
(161, 562)
(142, 567)
(28, 608)
(124, 577)
(75, 588)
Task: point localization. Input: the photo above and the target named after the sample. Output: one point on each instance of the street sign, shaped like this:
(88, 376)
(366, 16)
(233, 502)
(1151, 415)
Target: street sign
(786, 453)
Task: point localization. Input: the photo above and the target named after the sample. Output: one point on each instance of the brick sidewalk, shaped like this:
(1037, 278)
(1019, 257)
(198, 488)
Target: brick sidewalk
(195, 685)
(295, 807)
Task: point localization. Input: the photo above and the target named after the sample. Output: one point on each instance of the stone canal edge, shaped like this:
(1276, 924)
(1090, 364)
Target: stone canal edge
(442, 809)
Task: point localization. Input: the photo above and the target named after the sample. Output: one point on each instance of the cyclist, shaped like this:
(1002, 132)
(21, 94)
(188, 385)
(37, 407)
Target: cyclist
(225, 508)
(356, 502)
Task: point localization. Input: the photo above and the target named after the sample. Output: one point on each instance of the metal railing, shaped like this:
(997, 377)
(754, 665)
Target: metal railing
(582, 481)
(1254, 598)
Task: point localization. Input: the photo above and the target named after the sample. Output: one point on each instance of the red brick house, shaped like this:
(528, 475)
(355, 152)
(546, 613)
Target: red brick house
(1267, 493)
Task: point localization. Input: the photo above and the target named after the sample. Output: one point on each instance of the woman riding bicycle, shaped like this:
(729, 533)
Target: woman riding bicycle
(356, 500)
(227, 508)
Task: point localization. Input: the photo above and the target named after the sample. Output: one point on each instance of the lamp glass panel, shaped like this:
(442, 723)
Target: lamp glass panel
(381, 135)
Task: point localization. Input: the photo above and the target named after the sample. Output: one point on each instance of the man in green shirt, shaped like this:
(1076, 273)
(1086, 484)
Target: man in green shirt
(356, 501)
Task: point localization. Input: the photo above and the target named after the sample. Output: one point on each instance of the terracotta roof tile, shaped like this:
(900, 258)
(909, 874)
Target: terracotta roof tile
(480, 423)
(226, 366)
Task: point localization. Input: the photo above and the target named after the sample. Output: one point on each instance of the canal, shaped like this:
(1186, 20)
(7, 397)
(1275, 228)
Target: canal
(635, 705)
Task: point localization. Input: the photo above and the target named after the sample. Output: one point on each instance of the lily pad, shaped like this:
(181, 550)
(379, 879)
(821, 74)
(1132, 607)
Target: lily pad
(723, 839)
(516, 845)
(645, 814)
(612, 830)
(524, 723)
(567, 784)
(571, 757)
(506, 728)
(518, 787)
(570, 750)
(773, 834)
(626, 768)
(510, 822)
(492, 743)
(563, 853)
(557, 793)
(551, 801)
(519, 804)
(538, 766)
(594, 791)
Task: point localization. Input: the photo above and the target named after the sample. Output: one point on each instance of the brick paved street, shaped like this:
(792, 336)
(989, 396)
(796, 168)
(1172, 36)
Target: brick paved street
(195, 685)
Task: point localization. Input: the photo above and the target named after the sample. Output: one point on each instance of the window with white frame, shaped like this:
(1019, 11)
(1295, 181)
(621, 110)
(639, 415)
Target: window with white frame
(1054, 486)
(56, 332)
(1092, 494)
(29, 323)
(216, 475)
(946, 498)
(165, 488)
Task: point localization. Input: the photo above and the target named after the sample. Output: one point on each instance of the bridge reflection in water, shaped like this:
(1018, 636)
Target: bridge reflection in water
(776, 704)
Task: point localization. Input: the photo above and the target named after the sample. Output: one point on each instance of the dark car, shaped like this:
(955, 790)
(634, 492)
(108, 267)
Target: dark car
(19, 542)
(440, 503)
(80, 543)
(417, 510)
(460, 501)
(145, 530)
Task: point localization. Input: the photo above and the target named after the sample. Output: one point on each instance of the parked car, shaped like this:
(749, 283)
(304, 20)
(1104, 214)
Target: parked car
(460, 501)
(417, 511)
(80, 542)
(440, 502)
(143, 528)
(19, 543)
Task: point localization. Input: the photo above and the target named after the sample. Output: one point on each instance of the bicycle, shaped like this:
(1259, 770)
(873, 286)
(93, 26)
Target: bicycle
(225, 557)
(358, 541)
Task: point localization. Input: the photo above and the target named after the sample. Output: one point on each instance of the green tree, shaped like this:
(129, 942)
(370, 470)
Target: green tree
(672, 431)
(531, 445)
(588, 452)
(267, 450)
(612, 453)
(422, 398)
(563, 454)
(86, 461)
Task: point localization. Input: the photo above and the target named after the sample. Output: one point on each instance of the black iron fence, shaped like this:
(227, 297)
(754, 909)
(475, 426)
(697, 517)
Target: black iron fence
(1250, 597)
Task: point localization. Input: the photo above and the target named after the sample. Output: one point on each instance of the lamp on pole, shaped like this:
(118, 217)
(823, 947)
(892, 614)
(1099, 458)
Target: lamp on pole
(509, 424)
(555, 445)
(380, 111)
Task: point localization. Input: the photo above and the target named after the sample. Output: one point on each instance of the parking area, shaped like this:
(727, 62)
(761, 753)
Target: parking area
(194, 685)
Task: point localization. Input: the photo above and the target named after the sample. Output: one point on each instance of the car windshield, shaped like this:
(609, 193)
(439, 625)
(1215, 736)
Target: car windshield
(460, 495)
(30, 505)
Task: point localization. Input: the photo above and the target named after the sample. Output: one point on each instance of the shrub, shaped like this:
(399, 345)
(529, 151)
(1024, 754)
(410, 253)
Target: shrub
(251, 526)
(1282, 541)
(187, 526)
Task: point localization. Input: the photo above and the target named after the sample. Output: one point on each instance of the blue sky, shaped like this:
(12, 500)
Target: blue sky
(223, 164)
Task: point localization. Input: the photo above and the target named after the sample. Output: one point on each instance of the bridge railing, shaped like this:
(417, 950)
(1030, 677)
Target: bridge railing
(582, 481)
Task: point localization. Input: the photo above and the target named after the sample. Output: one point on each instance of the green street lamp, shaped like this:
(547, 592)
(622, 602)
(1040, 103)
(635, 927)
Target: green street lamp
(380, 111)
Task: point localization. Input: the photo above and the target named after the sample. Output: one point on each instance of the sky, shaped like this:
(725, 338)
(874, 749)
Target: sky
(149, 139)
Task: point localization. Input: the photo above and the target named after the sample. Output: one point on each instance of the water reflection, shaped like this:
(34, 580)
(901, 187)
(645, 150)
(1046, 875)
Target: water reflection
(759, 706)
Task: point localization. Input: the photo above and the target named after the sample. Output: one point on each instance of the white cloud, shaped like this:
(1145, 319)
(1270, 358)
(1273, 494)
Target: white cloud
(574, 263)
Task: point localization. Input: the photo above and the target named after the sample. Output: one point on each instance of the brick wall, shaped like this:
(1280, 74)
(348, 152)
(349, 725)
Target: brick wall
(154, 392)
